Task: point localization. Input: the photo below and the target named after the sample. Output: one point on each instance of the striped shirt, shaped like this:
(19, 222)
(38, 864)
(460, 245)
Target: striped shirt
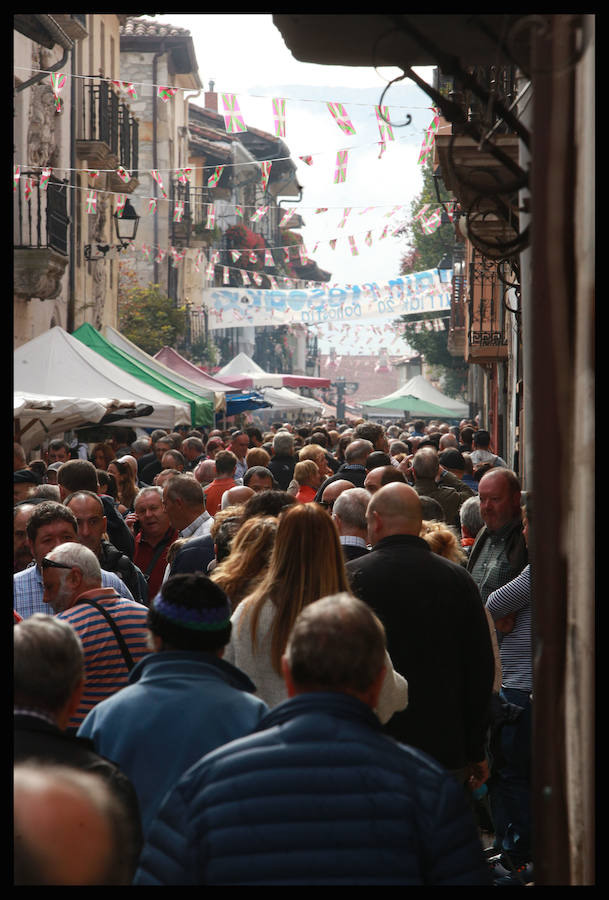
(28, 591)
(105, 667)
(516, 647)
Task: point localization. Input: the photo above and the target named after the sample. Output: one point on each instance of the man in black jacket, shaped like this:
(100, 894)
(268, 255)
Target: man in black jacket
(437, 634)
(48, 681)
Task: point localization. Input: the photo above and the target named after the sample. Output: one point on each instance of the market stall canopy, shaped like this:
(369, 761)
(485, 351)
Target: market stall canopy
(419, 397)
(201, 409)
(407, 403)
(282, 398)
(243, 372)
(38, 417)
(58, 363)
(177, 363)
(119, 341)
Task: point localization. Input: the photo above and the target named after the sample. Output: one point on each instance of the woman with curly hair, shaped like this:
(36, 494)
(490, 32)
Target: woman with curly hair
(306, 564)
(239, 574)
(444, 540)
(102, 455)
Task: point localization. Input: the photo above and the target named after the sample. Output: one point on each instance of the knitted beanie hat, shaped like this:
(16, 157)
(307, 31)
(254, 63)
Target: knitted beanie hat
(191, 612)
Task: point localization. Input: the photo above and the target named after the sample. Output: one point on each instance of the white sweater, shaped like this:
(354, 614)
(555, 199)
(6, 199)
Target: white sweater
(271, 686)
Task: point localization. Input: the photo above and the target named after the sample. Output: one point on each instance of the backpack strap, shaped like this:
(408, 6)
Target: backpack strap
(120, 639)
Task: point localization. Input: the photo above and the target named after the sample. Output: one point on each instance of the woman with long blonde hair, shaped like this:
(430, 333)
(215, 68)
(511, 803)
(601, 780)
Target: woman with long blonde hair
(306, 564)
(247, 563)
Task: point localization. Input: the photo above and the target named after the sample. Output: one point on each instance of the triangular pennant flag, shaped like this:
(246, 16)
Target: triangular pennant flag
(178, 211)
(58, 82)
(307, 159)
(165, 93)
(151, 206)
(157, 178)
(184, 175)
(213, 180)
(44, 178)
(266, 171)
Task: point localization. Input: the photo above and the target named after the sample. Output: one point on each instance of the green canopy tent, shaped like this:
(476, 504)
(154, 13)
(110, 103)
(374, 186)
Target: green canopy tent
(408, 404)
(201, 408)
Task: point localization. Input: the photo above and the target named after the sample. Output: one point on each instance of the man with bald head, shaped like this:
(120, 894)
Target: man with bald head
(437, 634)
(353, 468)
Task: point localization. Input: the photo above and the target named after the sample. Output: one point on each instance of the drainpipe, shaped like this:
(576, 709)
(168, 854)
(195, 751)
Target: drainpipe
(60, 37)
(70, 319)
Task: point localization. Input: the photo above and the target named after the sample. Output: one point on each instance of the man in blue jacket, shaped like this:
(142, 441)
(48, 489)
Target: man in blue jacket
(182, 700)
(318, 794)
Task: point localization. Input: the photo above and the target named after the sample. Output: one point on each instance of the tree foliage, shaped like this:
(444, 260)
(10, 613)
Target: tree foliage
(424, 251)
(149, 318)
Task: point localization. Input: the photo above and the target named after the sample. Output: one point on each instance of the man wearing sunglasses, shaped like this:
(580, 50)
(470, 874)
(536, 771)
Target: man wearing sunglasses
(49, 525)
(113, 630)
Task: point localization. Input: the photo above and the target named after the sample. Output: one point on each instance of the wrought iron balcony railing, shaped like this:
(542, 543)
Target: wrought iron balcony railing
(105, 119)
(41, 214)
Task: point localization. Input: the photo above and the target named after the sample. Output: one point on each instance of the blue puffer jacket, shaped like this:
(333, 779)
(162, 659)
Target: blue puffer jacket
(178, 706)
(318, 795)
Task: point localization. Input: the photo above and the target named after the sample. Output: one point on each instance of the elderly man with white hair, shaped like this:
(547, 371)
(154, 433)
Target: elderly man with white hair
(104, 621)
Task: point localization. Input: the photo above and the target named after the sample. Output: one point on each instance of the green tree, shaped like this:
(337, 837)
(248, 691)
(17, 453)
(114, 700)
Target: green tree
(424, 251)
(149, 318)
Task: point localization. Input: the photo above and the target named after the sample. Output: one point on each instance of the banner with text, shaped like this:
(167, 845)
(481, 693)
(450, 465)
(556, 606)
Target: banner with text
(408, 295)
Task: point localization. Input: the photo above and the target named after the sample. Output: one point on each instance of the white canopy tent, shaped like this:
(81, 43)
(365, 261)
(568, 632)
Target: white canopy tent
(39, 417)
(282, 398)
(246, 369)
(57, 363)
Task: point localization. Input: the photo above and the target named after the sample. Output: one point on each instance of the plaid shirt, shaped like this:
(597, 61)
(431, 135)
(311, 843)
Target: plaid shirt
(492, 569)
(28, 591)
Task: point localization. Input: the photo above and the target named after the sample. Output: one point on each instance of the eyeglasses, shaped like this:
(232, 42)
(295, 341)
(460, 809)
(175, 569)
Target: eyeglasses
(51, 564)
(327, 504)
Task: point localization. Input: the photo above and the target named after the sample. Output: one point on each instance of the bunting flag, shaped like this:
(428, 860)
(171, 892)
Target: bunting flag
(44, 178)
(225, 275)
(146, 251)
(92, 173)
(385, 128)
(273, 282)
(121, 200)
(340, 174)
(354, 250)
(244, 276)
(384, 234)
(151, 206)
(29, 183)
(16, 176)
(198, 261)
(368, 239)
(383, 147)
(184, 175)
(432, 223)
(235, 254)
(125, 87)
(253, 258)
(215, 256)
(392, 212)
(307, 159)
(266, 171)
(257, 278)
(211, 217)
(287, 216)
(286, 253)
(211, 270)
(165, 93)
(178, 211)
(239, 211)
(258, 214)
(333, 243)
(91, 202)
(157, 178)
(233, 119)
(160, 255)
(123, 174)
(321, 209)
(279, 116)
(213, 180)
(344, 219)
(302, 250)
(339, 114)
(422, 211)
(268, 259)
(58, 82)
(430, 137)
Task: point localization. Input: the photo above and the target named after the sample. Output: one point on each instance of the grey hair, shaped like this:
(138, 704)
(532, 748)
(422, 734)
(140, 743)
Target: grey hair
(283, 443)
(154, 488)
(425, 463)
(469, 515)
(80, 557)
(336, 644)
(351, 506)
(48, 662)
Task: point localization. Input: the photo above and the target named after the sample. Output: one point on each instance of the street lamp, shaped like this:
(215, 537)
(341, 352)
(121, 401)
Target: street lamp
(445, 267)
(125, 226)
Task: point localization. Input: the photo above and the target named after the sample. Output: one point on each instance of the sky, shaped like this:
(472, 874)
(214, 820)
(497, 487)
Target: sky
(245, 54)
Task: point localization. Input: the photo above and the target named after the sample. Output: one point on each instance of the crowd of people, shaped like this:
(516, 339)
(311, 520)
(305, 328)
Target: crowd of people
(299, 655)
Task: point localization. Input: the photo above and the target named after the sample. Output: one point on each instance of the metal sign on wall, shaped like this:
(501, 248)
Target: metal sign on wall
(408, 295)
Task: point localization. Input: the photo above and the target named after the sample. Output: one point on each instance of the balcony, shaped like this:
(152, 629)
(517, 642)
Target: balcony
(485, 313)
(41, 238)
(484, 174)
(108, 135)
